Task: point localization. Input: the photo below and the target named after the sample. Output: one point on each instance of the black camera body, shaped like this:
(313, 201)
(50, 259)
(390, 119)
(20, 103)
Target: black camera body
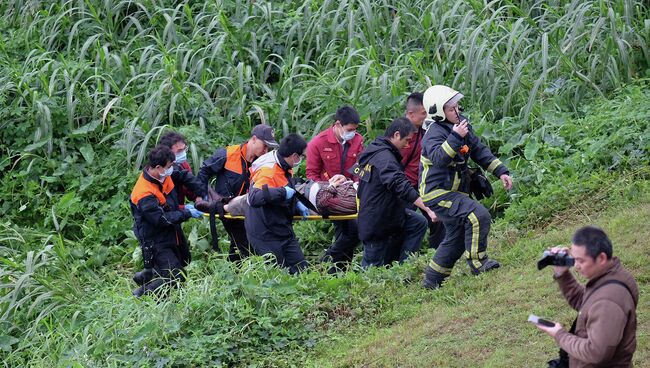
(562, 259)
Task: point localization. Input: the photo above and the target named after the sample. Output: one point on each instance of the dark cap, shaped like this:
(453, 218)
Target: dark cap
(265, 133)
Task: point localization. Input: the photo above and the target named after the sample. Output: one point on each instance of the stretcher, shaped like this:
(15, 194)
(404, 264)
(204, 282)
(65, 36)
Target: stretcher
(298, 218)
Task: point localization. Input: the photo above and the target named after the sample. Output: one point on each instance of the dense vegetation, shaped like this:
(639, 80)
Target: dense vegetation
(557, 88)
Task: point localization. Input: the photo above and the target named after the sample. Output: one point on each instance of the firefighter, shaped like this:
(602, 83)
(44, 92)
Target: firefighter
(231, 166)
(272, 199)
(447, 146)
(411, 159)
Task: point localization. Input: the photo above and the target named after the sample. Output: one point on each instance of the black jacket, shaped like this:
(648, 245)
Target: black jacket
(384, 191)
(155, 208)
(230, 167)
(270, 215)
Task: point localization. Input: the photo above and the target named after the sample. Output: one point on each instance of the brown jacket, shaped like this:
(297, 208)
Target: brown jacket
(605, 334)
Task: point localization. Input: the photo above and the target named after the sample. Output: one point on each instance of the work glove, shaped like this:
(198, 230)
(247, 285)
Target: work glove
(193, 211)
(290, 192)
(302, 209)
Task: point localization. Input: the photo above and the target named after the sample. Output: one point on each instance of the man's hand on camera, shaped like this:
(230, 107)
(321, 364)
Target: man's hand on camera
(552, 331)
(560, 270)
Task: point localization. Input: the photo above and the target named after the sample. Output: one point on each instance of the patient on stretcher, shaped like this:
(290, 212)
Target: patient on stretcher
(335, 197)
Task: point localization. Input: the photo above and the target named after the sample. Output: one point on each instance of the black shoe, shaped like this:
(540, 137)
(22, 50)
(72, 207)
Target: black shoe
(487, 264)
(432, 279)
(142, 277)
(138, 292)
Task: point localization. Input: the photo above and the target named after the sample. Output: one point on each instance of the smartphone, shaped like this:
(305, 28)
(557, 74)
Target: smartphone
(540, 321)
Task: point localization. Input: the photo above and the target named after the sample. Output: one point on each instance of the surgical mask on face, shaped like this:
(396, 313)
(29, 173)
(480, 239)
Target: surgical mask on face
(346, 136)
(167, 173)
(181, 157)
(297, 163)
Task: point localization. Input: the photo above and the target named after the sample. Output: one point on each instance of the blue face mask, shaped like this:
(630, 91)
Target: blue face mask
(181, 157)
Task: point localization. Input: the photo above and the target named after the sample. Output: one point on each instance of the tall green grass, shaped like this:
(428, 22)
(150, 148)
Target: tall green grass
(88, 86)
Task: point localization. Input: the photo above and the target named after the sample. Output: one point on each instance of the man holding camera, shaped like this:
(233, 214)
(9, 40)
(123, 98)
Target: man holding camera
(604, 333)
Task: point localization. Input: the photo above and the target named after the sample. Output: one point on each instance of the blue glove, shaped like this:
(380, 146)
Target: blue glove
(290, 192)
(304, 211)
(195, 213)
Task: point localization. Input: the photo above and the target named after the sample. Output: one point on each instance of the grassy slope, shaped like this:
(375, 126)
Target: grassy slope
(482, 321)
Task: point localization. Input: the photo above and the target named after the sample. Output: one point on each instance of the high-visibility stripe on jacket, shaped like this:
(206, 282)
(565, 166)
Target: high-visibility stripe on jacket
(442, 163)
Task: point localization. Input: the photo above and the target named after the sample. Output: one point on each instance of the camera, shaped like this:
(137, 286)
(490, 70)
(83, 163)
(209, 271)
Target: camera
(555, 259)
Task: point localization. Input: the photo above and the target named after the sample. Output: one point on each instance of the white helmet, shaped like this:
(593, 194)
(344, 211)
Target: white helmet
(435, 97)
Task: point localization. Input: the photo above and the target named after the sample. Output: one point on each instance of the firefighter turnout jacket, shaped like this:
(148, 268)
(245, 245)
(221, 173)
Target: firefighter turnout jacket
(443, 163)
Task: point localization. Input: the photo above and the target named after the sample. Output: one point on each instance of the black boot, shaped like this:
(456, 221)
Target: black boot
(142, 277)
(432, 279)
(138, 292)
(487, 264)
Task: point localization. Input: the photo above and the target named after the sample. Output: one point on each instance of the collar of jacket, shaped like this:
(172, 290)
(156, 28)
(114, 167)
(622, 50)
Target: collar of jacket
(331, 136)
(151, 179)
(385, 141)
(283, 164)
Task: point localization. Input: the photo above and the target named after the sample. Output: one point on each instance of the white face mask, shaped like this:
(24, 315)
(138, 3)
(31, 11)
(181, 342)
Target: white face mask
(166, 173)
(181, 157)
(346, 136)
(297, 163)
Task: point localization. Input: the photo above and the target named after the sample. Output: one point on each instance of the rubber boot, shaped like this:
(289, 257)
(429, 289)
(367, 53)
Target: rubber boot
(433, 279)
(486, 265)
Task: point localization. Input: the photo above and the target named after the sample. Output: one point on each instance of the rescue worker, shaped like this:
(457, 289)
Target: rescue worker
(386, 225)
(178, 145)
(448, 145)
(411, 160)
(157, 220)
(333, 152)
(269, 218)
(231, 167)
(604, 333)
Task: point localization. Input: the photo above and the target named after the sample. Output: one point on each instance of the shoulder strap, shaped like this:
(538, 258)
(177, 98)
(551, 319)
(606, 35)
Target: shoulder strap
(611, 282)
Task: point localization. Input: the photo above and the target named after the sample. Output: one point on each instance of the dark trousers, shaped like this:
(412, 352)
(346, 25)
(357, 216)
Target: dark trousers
(436, 229)
(398, 245)
(467, 225)
(169, 261)
(287, 252)
(346, 239)
(239, 246)
(436, 232)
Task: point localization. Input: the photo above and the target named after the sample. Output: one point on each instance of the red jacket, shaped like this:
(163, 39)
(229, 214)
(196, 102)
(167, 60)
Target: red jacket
(324, 153)
(185, 192)
(411, 158)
